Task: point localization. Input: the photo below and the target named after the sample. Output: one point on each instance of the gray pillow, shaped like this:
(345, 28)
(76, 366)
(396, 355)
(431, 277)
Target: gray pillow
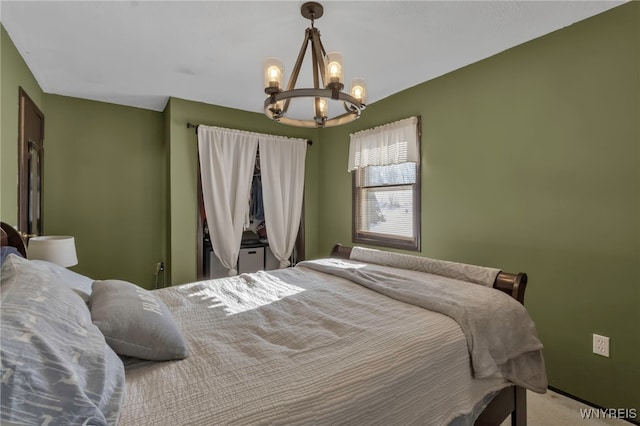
(135, 322)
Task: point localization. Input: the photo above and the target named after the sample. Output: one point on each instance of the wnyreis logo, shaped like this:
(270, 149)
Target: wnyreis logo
(609, 413)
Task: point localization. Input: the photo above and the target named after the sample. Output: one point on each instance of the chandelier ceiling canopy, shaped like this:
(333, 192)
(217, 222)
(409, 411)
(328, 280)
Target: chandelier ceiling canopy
(328, 83)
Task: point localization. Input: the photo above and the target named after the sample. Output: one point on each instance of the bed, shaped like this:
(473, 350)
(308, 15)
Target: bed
(355, 338)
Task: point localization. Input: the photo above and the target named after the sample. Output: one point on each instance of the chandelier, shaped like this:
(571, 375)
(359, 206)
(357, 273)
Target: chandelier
(327, 69)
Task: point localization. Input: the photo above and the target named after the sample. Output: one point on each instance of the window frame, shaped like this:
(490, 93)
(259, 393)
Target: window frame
(383, 240)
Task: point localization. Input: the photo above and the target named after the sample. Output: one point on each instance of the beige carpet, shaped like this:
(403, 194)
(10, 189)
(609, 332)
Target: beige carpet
(553, 409)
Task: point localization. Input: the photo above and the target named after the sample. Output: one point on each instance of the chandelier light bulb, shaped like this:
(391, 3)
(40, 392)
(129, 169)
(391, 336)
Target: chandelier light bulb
(334, 71)
(358, 90)
(334, 68)
(273, 74)
(323, 107)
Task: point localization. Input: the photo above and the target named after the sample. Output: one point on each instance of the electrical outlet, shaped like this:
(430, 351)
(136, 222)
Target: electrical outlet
(601, 345)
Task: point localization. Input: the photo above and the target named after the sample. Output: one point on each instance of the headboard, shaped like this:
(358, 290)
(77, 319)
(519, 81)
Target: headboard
(11, 237)
(512, 284)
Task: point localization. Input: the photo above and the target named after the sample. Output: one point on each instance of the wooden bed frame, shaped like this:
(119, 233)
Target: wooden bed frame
(11, 237)
(512, 400)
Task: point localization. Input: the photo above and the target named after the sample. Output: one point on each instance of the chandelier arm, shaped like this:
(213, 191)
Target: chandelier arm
(321, 93)
(349, 107)
(314, 66)
(336, 121)
(296, 67)
(353, 112)
(318, 56)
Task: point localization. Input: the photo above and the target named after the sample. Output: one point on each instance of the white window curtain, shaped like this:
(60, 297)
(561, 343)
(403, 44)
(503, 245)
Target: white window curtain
(227, 158)
(282, 162)
(384, 145)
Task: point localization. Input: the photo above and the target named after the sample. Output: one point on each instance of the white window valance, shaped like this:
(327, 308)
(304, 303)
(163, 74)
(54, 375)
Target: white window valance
(384, 145)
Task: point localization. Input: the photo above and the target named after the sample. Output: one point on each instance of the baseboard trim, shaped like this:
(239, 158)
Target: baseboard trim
(589, 403)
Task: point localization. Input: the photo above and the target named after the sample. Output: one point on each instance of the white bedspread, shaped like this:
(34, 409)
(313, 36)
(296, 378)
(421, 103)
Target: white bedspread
(296, 346)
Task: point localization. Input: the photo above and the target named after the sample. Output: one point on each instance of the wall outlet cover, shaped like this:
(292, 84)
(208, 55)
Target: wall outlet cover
(601, 345)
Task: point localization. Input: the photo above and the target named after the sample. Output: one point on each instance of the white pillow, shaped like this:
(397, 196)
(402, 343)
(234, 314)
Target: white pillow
(78, 282)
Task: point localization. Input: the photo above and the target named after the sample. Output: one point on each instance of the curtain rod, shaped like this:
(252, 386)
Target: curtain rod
(195, 126)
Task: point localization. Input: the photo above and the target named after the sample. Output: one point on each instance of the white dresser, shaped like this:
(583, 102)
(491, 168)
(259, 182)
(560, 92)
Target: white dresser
(250, 259)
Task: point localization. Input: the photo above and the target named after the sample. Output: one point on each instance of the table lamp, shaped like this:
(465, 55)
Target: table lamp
(57, 249)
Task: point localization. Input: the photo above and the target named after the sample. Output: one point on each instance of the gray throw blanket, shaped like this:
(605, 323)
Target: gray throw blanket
(501, 337)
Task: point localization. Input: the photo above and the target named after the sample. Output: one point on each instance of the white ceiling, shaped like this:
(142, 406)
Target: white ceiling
(139, 53)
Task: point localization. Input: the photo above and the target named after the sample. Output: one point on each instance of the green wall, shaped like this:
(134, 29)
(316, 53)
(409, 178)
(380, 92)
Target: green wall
(104, 175)
(531, 162)
(183, 155)
(14, 74)
(104, 184)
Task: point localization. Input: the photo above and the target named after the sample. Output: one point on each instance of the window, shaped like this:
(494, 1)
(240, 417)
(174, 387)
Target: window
(386, 185)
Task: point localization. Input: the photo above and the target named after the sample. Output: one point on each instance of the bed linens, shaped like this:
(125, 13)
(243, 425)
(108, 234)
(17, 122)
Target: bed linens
(56, 367)
(80, 283)
(297, 346)
(461, 271)
(500, 335)
(5, 251)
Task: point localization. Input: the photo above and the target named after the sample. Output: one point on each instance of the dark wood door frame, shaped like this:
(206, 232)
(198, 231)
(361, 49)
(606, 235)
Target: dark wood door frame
(30, 165)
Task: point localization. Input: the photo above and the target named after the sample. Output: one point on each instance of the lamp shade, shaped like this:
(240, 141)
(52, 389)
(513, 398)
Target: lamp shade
(56, 249)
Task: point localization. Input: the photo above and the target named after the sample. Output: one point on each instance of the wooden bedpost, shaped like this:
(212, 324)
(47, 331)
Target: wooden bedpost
(519, 416)
(340, 251)
(512, 284)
